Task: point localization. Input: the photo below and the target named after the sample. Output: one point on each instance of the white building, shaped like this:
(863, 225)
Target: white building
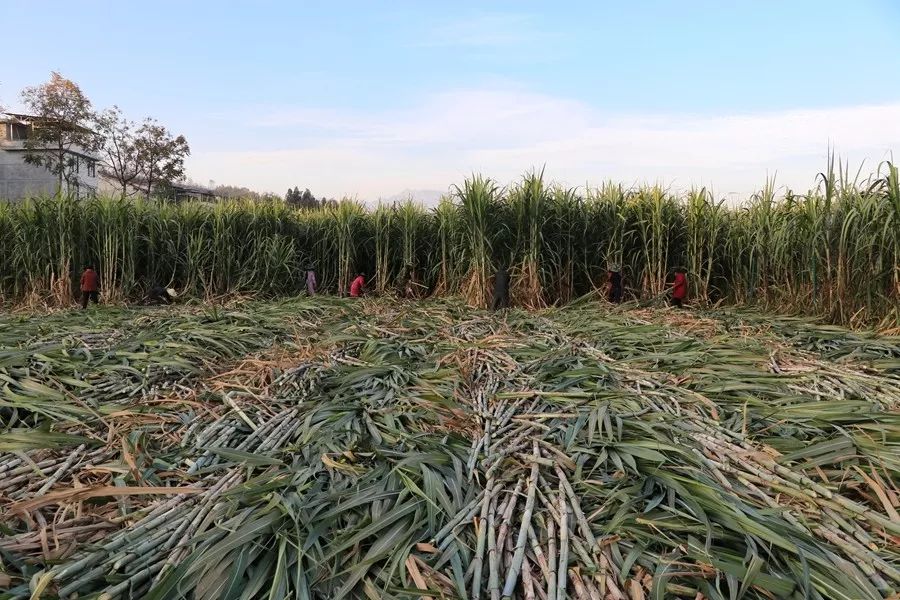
(19, 180)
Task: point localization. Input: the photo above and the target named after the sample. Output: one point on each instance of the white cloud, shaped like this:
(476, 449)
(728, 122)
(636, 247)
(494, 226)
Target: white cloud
(504, 132)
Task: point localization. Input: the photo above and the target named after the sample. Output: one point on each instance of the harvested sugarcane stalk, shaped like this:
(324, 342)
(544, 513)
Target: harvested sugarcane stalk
(569, 453)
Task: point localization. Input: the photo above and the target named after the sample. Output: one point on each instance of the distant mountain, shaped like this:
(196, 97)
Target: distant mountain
(425, 197)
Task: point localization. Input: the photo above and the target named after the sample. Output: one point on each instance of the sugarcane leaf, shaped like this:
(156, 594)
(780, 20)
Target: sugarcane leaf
(239, 456)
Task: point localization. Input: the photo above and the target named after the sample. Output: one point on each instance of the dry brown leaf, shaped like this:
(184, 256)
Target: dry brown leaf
(413, 569)
(425, 547)
(879, 491)
(635, 590)
(79, 494)
(129, 459)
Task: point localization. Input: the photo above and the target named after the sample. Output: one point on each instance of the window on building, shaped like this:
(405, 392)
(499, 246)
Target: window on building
(91, 168)
(17, 131)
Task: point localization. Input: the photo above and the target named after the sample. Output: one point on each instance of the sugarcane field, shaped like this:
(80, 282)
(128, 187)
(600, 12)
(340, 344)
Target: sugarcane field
(505, 396)
(509, 395)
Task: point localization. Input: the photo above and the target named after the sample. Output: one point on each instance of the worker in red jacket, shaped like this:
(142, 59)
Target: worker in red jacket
(679, 287)
(357, 286)
(90, 286)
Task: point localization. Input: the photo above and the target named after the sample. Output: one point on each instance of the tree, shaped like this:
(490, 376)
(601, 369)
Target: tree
(293, 196)
(307, 200)
(118, 151)
(160, 156)
(59, 134)
(233, 192)
(304, 199)
(148, 156)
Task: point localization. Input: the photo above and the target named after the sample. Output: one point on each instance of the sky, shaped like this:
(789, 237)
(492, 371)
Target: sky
(372, 99)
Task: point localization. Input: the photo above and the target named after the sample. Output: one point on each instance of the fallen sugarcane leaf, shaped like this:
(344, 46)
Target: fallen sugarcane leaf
(81, 494)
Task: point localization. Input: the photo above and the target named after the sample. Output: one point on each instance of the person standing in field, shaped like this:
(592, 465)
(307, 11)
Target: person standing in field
(408, 285)
(679, 287)
(501, 289)
(357, 286)
(90, 286)
(614, 285)
(311, 282)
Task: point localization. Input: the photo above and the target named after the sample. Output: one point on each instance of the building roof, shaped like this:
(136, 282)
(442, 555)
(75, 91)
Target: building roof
(179, 188)
(186, 188)
(23, 119)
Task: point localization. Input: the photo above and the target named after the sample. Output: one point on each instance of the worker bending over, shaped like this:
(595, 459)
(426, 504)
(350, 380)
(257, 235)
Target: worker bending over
(161, 295)
(679, 287)
(358, 285)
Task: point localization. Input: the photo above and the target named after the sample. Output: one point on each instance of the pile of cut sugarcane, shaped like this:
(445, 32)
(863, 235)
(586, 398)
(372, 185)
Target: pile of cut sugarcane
(323, 449)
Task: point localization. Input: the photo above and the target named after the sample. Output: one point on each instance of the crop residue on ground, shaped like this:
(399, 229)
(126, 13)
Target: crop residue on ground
(329, 449)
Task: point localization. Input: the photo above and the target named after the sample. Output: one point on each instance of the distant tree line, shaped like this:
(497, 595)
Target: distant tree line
(233, 192)
(305, 199)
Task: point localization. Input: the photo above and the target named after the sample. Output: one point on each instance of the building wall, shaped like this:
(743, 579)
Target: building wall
(19, 180)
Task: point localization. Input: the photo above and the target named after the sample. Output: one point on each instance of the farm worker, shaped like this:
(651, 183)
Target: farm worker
(357, 285)
(90, 286)
(161, 295)
(310, 281)
(679, 287)
(501, 289)
(614, 285)
(407, 283)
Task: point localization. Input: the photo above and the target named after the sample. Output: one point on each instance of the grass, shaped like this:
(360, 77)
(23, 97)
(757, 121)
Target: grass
(322, 448)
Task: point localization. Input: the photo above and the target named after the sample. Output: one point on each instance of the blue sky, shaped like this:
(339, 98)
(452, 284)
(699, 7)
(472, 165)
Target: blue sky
(370, 98)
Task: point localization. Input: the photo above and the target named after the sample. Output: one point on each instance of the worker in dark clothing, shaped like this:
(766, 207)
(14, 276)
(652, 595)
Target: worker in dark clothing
(679, 287)
(161, 295)
(90, 286)
(614, 285)
(501, 289)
